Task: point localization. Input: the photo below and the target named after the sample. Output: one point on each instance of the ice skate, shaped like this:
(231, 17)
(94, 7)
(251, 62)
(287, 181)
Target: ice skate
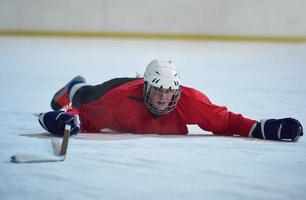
(61, 97)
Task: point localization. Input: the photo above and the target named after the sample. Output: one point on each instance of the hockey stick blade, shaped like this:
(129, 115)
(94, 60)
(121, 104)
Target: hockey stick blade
(35, 158)
(59, 155)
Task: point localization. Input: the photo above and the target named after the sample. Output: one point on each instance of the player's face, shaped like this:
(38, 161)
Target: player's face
(160, 98)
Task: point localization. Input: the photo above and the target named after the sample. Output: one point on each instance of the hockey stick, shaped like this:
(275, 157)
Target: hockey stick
(59, 155)
(65, 142)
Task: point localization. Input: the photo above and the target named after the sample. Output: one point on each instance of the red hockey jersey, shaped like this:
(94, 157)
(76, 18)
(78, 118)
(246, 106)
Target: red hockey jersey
(122, 109)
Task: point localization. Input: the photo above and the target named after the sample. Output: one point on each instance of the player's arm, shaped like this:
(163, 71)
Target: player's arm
(219, 120)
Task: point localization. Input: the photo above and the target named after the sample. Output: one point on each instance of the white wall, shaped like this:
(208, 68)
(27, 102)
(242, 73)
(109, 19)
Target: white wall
(241, 17)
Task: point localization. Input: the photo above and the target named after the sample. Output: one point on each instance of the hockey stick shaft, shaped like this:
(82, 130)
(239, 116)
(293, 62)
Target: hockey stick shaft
(65, 141)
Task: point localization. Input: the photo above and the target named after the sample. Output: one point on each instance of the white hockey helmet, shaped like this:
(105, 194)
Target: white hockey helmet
(161, 76)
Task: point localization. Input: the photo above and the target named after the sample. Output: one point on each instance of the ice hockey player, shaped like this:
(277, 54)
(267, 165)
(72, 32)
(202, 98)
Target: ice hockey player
(155, 104)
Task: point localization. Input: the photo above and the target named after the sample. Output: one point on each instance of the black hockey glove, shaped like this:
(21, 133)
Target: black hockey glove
(55, 121)
(278, 129)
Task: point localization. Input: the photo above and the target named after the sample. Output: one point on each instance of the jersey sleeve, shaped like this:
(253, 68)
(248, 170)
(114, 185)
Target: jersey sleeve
(210, 117)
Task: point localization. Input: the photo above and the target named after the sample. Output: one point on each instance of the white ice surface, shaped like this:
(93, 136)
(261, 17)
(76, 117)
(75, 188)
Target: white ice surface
(257, 79)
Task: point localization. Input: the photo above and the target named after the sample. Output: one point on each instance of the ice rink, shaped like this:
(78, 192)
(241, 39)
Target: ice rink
(259, 80)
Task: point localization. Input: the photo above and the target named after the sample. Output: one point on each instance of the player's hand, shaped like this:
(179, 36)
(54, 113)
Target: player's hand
(55, 121)
(278, 129)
